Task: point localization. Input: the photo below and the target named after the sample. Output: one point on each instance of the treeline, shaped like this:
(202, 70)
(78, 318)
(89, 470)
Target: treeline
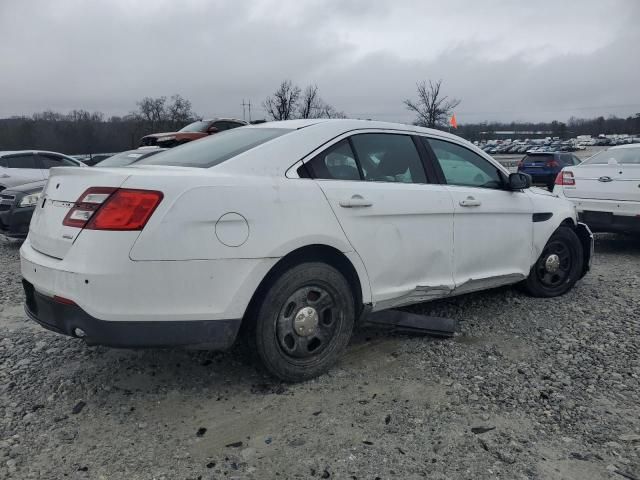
(572, 128)
(83, 132)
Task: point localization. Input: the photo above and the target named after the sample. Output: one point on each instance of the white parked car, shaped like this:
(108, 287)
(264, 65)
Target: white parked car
(293, 230)
(605, 189)
(26, 166)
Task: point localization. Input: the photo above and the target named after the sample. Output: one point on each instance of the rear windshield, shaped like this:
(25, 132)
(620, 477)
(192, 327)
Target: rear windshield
(199, 126)
(121, 159)
(216, 149)
(537, 158)
(615, 156)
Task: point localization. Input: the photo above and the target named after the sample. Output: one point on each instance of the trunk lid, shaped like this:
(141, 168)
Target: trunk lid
(47, 234)
(605, 182)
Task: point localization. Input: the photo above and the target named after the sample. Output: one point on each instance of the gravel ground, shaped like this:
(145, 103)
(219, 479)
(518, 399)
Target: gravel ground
(528, 388)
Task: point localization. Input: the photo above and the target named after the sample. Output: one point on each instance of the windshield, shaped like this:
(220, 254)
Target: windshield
(216, 149)
(125, 158)
(200, 126)
(615, 156)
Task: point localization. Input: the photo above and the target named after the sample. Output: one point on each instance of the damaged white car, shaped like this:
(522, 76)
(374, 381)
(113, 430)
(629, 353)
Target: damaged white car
(291, 230)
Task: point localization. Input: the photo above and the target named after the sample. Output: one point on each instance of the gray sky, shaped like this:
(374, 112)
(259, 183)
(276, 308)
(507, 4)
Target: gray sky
(506, 60)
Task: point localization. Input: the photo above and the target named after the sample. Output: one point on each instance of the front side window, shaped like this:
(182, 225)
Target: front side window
(22, 161)
(215, 149)
(463, 167)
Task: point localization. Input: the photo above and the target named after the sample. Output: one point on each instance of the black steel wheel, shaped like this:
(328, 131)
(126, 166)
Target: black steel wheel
(559, 266)
(303, 322)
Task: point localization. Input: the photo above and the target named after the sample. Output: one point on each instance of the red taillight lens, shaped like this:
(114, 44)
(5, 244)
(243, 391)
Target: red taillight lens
(108, 208)
(565, 178)
(520, 164)
(552, 164)
(126, 209)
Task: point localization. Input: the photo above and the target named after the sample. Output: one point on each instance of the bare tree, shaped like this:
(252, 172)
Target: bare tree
(179, 110)
(432, 109)
(283, 104)
(152, 110)
(310, 103)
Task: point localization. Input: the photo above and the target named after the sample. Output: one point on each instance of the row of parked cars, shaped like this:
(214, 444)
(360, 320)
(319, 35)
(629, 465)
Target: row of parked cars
(23, 173)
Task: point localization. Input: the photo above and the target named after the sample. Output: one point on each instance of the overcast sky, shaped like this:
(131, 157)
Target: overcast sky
(506, 60)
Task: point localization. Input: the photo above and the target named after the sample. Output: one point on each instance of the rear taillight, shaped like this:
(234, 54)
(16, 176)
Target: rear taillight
(86, 206)
(565, 178)
(103, 208)
(552, 164)
(520, 164)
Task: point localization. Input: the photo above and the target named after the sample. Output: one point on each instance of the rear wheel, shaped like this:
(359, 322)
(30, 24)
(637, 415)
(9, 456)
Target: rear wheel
(559, 266)
(303, 321)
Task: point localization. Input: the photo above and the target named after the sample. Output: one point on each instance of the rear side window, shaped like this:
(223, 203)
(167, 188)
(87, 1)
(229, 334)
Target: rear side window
(336, 163)
(49, 161)
(387, 157)
(22, 161)
(215, 149)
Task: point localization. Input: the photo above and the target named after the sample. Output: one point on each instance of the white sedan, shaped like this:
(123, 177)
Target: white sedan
(291, 230)
(605, 189)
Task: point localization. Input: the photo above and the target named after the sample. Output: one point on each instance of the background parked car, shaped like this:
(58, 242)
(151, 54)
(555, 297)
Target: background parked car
(193, 131)
(545, 166)
(25, 166)
(16, 208)
(604, 189)
(123, 159)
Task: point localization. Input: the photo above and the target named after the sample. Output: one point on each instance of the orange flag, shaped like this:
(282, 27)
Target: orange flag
(453, 121)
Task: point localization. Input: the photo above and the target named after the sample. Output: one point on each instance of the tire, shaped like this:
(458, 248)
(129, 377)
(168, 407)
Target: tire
(303, 322)
(555, 276)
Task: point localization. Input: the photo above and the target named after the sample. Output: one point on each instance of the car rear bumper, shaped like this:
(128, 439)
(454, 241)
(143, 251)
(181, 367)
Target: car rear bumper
(107, 285)
(541, 178)
(70, 319)
(610, 222)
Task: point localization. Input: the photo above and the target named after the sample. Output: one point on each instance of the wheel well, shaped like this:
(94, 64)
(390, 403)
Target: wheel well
(318, 253)
(568, 222)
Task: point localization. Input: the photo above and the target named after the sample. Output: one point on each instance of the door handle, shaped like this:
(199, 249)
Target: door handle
(470, 202)
(356, 201)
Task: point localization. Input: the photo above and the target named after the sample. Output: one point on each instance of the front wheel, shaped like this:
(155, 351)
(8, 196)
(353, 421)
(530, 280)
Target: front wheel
(303, 322)
(559, 266)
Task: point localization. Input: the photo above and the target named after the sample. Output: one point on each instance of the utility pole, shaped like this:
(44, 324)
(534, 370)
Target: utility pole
(243, 110)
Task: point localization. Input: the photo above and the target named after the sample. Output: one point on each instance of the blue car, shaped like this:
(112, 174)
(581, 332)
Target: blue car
(545, 166)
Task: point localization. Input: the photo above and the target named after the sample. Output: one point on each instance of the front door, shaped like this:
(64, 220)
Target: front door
(399, 224)
(493, 228)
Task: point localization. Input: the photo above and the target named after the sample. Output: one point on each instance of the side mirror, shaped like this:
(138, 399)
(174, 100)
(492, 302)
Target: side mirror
(212, 130)
(519, 181)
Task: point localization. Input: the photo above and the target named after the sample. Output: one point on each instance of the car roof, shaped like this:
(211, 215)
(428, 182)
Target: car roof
(352, 124)
(12, 152)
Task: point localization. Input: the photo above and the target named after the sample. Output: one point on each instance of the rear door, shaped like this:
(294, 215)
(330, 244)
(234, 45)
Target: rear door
(613, 174)
(398, 223)
(492, 227)
(23, 166)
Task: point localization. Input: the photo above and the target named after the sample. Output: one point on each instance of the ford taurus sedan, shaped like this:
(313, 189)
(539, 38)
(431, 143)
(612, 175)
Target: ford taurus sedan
(288, 232)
